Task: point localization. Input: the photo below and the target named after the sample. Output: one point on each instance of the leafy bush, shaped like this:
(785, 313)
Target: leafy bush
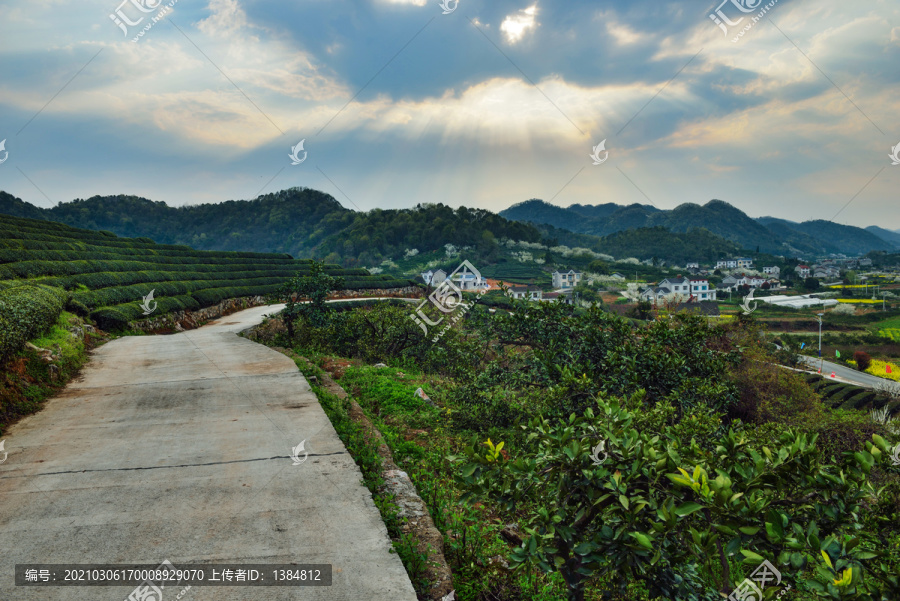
(641, 504)
(25, 312)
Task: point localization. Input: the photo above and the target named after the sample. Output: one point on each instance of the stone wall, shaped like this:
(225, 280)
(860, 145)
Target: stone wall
(178, 321)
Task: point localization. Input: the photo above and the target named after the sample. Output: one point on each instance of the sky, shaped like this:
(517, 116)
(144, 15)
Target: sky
(786, 108)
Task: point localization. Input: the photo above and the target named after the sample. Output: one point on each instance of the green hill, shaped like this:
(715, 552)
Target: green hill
(108, 276)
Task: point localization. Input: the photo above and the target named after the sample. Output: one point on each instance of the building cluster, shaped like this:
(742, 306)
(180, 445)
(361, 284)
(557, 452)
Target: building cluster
(564, 283)
(679, 290)
(830, 269)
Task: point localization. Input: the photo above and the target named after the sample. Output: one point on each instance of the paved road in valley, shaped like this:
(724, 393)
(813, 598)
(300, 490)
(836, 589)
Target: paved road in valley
(843, 372)
(178, 448)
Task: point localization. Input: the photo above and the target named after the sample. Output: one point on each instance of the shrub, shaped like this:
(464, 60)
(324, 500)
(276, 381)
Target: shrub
(862, 359)
(25, 312)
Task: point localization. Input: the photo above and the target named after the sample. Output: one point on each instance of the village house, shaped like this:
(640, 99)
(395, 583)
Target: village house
(563, 281)
(679, 289)
(744, 263)
(773, 271)
(826, 271)
(692, 266)
(563, 296)
(802, 271)
(525, 292)
(468, 281)
(433, 278)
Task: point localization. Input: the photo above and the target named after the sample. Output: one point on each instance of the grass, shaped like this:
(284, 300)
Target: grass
(26, 381)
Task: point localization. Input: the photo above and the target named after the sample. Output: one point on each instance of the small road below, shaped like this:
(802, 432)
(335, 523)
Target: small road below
(843, 372)
(178, 448)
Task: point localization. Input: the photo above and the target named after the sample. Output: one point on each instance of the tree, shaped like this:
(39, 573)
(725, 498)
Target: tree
(863, 360)
(306, 294)
(587, 294)
(598, 266)
(811, 283)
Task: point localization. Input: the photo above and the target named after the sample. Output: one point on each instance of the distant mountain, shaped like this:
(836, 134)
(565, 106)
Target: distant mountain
(674, 248)
(768, 234)
(887, 235)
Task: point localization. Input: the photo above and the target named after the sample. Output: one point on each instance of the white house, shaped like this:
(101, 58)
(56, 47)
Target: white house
(565, 280)
(437, 277)
(700, 290)
(721, 263)
(775, 271)
(469, 281)
(692, 266)
(427, 276)
(826, 271)
(525, 292)
(732, 282)
(802, 270)
(679, 289)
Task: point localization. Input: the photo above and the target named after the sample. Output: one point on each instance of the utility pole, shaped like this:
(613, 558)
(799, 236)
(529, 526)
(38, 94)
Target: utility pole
(883, 295)
(819, 317)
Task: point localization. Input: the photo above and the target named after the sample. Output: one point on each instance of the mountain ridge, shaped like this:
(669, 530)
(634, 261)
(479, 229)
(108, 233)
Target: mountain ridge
(768, 234)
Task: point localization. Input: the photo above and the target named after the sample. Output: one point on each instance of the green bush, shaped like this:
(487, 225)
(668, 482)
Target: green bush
(25, 312)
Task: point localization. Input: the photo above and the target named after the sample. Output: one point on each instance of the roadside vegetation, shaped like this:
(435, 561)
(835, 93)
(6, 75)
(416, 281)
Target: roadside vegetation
(568, 453)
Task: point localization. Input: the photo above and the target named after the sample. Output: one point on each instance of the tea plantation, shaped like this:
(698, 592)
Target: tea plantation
(105, 277)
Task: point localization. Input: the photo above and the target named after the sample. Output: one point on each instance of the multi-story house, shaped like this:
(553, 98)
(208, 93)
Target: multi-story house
(775, 271)
(563, 281)
(802, 270)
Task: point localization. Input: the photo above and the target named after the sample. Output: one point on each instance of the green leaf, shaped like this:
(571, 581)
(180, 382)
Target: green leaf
(753, 556)
(687, 509)
(643, 540)
(624, 501)
(584, 548)
(749, 530)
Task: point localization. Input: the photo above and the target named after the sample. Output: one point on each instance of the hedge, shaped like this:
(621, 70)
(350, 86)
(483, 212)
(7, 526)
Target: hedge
(26, 311)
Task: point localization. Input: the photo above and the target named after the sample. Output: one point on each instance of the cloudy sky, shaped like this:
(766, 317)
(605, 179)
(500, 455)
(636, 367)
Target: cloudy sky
(494, 103)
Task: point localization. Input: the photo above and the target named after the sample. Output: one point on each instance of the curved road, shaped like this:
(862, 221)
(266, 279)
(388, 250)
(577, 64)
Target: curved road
(178, 448)
(848, 374)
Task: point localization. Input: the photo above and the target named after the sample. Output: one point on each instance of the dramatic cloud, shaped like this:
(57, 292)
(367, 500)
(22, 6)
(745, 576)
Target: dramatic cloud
(489, 105)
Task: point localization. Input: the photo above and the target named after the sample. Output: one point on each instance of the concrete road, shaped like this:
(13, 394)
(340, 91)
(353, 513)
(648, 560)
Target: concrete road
(178, 448)
(847, 374)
